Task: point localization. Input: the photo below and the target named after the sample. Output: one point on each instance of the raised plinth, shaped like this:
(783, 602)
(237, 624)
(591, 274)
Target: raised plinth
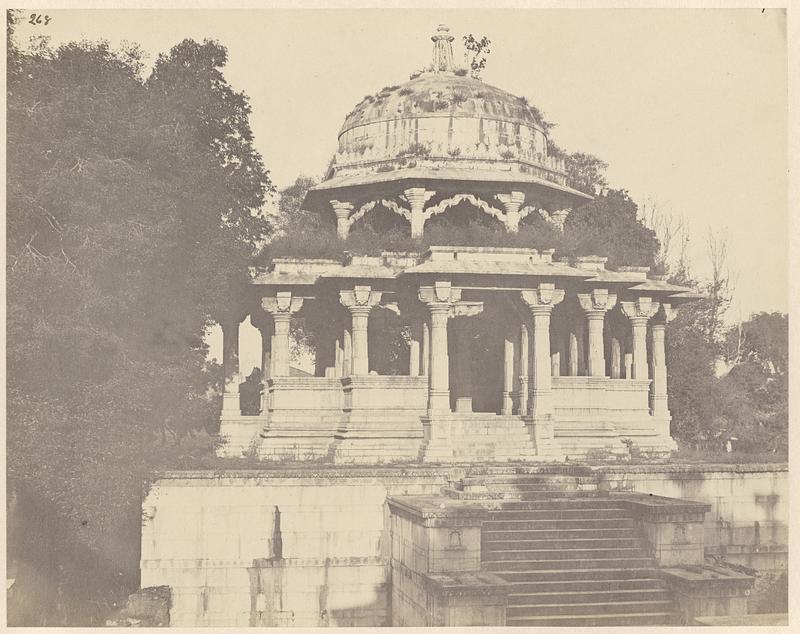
(303, 413)
(464, 437)
(381, 419)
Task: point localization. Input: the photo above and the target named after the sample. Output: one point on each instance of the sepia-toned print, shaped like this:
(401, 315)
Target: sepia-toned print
(317, 318)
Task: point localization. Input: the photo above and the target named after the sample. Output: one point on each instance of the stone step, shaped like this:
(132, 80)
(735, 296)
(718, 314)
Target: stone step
(588, 596)
(597, 620)
(500, 545)
(564, 554)
(557, 524)
(565, 513)
(605, 571)
(531, 564)
(512, 498)
(582, 585)
(574, 533)
(576, 609)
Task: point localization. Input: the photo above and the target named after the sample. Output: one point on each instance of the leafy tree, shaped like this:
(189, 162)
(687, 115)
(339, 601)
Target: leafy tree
(477, 50)
(610, 226)
(133, 210)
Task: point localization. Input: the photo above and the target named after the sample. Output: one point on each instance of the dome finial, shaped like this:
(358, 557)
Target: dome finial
(442, 49)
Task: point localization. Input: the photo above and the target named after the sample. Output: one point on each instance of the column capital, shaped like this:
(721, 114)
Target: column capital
(542, 299)
(282, 305)
(342, 207)
(418, 195)
(511, 201)
(665, 314)
(361, 299)
(440, 296)
(597, 301)
(640, 309)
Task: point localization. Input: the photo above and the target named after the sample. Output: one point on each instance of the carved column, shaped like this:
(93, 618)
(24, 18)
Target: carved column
(263, 322)
(439, 298)
(512, 202)
(462, 383)
(360, 301)
(426, 347)
(658, 367)
(595, 304)
(413, 357)
(524, 368)
(347, 353)
(281, 307)
(507, 407)
(541, 302)
(638, 312)
(230, 367)
(417, 197)
(342, 210)
(616, 359)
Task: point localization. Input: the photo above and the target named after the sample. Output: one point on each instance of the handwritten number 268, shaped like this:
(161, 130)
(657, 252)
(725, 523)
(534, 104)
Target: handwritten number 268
(38, 18)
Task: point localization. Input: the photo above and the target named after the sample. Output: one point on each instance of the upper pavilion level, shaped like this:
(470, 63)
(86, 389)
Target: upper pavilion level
(440, 139)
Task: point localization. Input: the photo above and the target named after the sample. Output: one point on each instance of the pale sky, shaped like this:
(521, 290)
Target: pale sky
(689, 107)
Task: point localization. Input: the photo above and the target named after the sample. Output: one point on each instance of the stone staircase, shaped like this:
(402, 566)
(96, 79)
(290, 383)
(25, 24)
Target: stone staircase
(572, 556)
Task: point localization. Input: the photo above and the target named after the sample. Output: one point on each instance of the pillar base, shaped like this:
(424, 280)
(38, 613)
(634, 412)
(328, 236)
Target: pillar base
(464, 404)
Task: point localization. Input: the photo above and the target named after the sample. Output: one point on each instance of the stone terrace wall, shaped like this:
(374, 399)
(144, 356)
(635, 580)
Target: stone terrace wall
(749, 519)
(212, 538)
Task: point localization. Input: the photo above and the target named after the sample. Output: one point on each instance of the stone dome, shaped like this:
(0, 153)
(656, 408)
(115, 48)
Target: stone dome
(444, 118)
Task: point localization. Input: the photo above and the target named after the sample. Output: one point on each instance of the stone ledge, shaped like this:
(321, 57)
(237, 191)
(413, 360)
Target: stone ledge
(656, 508)
(707, 581)
(437, 510)
(467, 584)
(689, 469)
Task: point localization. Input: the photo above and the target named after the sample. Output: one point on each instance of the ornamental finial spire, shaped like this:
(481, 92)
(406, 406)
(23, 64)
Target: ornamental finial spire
(442, 49)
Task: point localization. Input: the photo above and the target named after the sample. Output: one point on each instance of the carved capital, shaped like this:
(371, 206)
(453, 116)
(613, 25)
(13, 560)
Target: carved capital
(598, 299)
(642, 308)
(417, 197)
(545, 297)
(342, 209)
(666, 313)
(361, 298)
(512, 201)
(283, 304)
(441, 294)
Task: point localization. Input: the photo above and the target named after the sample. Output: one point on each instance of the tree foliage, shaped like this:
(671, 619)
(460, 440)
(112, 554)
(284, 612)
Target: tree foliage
(133, 211)
(477, 51)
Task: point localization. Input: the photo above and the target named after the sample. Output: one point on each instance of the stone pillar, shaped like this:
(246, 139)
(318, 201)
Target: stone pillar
(342, 210)
(417, 197)
(595, 304)
(638, 312)
(347, 353)
(573, 354)
(263, 322)
(281, 307)
(541, 302)
(463, 365)
(616, 359)
(524, 368)
(580, 346)
(338, 359)
(413, 357)
(507, 407)
(512, 202)
(439, 298)
(360, 302)
(426, 347)
(658, 362)
(230, 368)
